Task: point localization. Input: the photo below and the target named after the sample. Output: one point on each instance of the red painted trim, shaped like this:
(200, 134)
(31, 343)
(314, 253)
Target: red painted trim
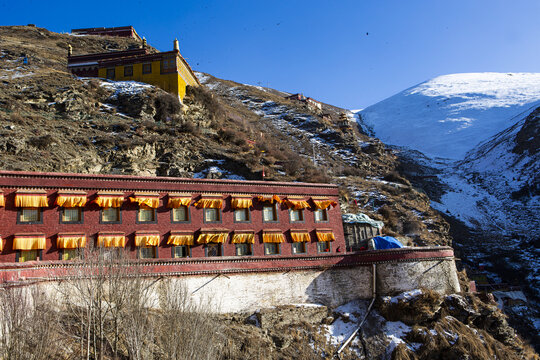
(56, 270)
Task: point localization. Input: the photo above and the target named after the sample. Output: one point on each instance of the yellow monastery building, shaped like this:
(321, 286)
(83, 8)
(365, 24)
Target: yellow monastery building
(167, 70)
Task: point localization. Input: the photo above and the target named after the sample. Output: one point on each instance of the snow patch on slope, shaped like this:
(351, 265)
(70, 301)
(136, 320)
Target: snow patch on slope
(449, 115)
(125, 87)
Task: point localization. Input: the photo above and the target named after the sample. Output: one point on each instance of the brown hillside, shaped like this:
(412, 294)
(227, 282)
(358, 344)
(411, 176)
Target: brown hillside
(52, 121)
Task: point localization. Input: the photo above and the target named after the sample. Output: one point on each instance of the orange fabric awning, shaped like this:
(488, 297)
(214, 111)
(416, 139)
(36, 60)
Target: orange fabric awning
(296, 204)
(269, 198)
(243, 238)
(206, 238)
(31, 199)
(111, 240)
(29, 242)
(300, 236)
(324, 203)
(325, 235)
(71, 200)
(181, 239)
(241, 203)
(2, 200)
(108, 200)
(71, 241)
(214, 203)
(148, 200)
(146, 239)
(273, 237)
(176, 202)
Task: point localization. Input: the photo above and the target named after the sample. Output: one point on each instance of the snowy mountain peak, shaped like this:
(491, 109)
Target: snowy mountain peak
(449, 115)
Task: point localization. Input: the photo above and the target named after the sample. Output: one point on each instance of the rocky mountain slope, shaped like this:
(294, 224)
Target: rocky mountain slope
(52, 121)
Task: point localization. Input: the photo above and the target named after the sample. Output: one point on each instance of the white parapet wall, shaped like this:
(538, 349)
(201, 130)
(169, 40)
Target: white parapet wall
(226, 292)
(332, 287)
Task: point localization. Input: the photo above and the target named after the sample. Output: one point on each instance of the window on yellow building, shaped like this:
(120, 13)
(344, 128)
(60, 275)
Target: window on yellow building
(168, 64)
(147, 68)
(128, 70)
(111, 74)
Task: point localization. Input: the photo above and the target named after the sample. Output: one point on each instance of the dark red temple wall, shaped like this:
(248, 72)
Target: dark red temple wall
(51, 225)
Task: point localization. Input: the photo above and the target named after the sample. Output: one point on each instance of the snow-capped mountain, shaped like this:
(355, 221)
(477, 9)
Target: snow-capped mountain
(451, 114)
(480, 134)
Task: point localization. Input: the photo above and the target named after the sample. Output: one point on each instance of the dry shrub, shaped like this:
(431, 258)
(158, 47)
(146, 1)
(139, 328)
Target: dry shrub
(17, 118)
(389, 215)
(149, 125)
(394, 176)
(412, 226)
(390, 232)
(231, 136)
(451, 339)
(120, 127)
(315, 175)
(166, 106)
(188, 128)
(41, 142)
(28, 325)
(402, 352)
(350, 171)
(392, 190)
(105, 141)
(293, 164)
(131, 143)
(185, 329)
(420, 309)
(201, 95)
(114, 313)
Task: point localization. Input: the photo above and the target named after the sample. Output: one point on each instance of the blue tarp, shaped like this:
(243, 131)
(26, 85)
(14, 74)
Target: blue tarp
(386, 242)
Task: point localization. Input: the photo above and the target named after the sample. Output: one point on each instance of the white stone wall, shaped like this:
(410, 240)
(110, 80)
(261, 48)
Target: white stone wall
(333, 287)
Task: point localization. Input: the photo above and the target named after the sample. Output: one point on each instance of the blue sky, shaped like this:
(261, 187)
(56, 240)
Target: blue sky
(347, 53)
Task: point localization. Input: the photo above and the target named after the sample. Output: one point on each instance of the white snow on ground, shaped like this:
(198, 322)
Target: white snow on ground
(340, 330)
(15, 73)
(217, 170)
(125, 87)
(449, 115)
(352, 313)
(395, 331)
(403, 297)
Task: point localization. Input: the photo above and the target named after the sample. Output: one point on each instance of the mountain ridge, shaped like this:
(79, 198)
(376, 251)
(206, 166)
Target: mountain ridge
(458, 111)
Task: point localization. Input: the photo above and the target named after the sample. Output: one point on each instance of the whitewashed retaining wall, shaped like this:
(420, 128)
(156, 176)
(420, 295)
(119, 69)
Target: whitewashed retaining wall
(333, 287)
